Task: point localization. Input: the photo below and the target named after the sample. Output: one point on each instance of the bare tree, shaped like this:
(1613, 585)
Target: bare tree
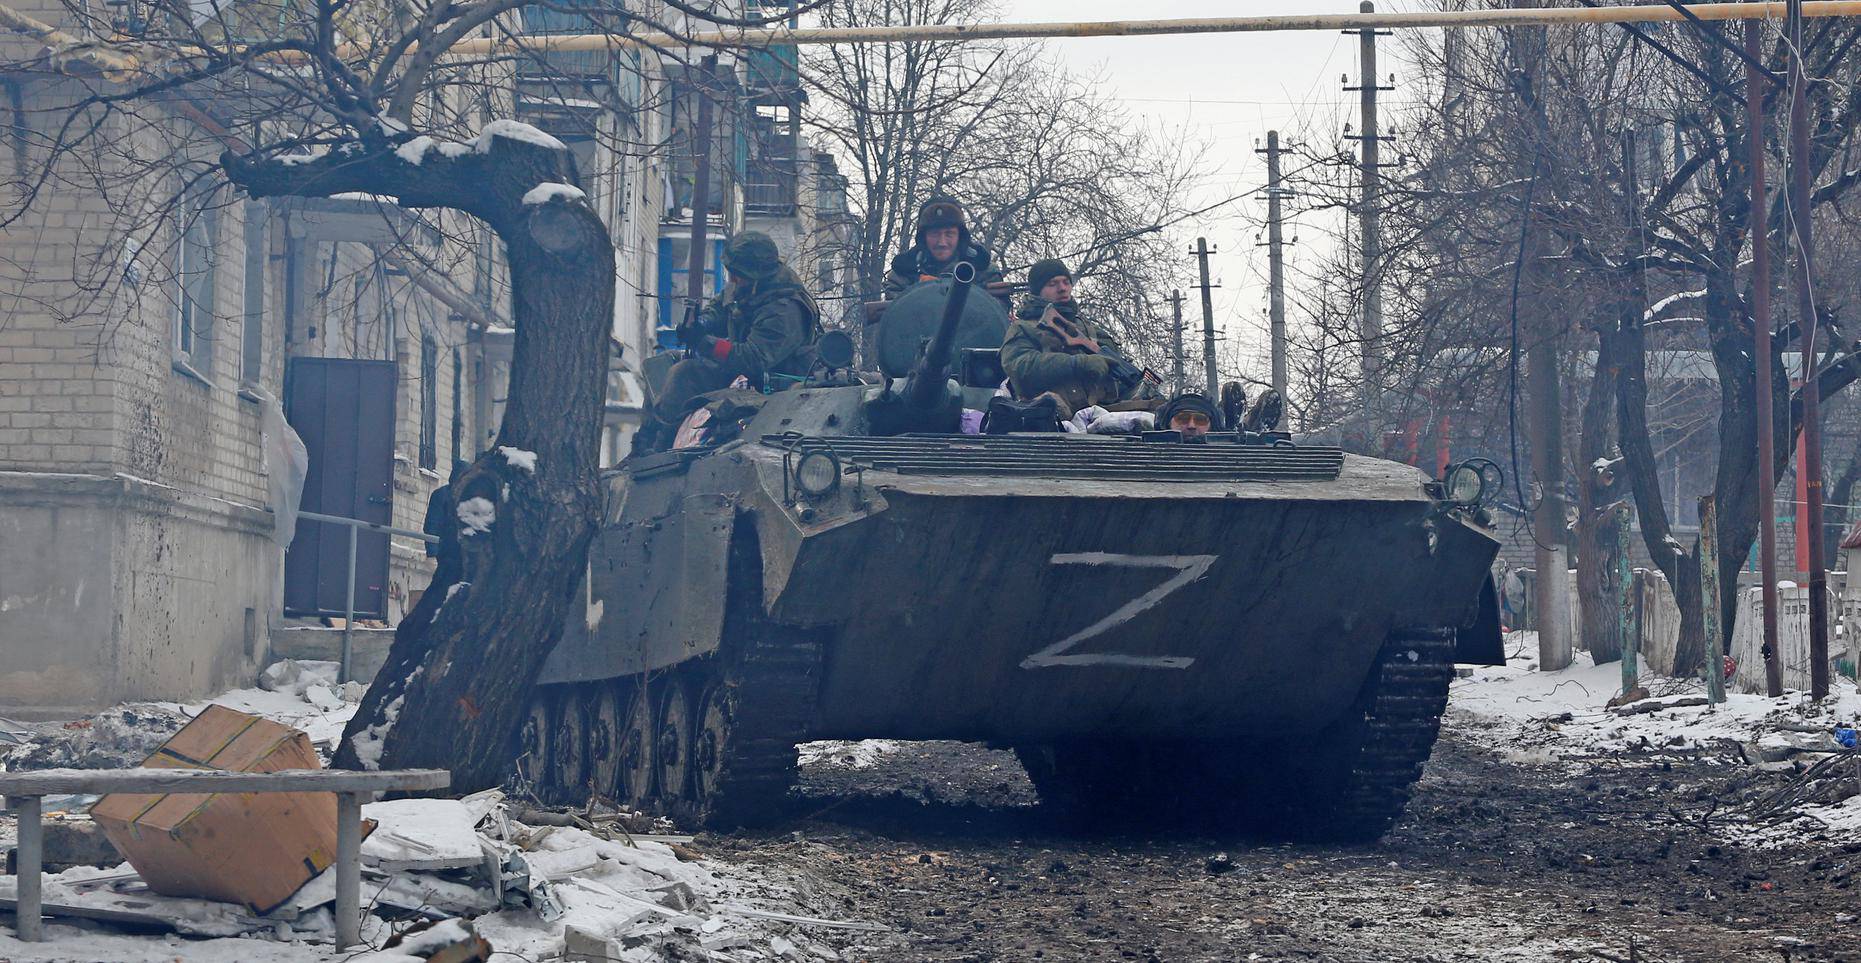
(328, 97)
(1515, 173)
(1046, 162)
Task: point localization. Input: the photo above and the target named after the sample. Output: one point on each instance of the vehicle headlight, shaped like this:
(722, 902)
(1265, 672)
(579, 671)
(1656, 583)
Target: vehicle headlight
(1464, 486)
(818, 473)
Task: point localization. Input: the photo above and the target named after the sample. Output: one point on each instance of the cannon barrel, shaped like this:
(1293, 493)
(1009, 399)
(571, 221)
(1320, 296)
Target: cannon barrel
(924, 388)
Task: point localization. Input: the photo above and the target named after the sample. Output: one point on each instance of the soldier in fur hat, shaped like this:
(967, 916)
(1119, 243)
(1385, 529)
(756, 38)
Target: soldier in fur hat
(942, 240)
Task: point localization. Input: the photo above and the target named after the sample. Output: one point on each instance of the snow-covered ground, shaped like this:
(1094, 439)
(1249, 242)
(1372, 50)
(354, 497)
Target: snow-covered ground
(659, 898)
(1567, 713)
(1565, 717)
(656, 898)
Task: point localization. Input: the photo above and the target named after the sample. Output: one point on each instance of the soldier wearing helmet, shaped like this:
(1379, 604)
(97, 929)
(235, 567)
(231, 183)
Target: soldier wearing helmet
(762, 329)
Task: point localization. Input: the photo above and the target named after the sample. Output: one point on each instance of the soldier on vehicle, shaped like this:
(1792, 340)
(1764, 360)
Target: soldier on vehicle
(762, 329)
(942, 241)
(1050, 348)
(1190, 414)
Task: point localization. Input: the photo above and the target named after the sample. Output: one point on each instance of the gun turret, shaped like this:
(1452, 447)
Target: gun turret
(927, 403)
(924, 388)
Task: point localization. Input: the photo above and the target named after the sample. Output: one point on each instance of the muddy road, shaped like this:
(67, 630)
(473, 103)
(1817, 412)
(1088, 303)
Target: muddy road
(1634, 856)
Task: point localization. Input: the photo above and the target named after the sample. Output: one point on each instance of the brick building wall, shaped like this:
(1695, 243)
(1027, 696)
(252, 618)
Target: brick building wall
(135, 557)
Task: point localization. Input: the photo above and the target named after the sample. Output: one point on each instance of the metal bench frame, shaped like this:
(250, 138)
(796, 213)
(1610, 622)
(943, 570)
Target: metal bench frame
(24, 791)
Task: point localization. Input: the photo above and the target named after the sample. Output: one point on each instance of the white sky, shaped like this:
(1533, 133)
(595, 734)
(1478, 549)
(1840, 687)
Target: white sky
(1230, 89)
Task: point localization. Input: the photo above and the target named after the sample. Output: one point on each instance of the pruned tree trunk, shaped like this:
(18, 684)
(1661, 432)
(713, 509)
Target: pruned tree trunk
(454, 690)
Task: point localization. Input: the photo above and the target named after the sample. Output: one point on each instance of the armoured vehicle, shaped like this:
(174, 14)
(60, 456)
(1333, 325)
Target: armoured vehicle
(1242, 628)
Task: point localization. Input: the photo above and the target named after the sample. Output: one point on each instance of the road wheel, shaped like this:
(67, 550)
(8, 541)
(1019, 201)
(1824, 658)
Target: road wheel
(606, 721)
(716, 728)
(673, 743)
(637, 740)
(569, 745)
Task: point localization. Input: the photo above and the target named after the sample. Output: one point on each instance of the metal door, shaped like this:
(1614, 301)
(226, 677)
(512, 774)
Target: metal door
(344, 411)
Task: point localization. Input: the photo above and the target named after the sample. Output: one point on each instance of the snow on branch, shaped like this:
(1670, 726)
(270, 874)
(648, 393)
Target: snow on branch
(414, 151)
(544, 193)
(517, 457)
(1660, 310)
(514, 130)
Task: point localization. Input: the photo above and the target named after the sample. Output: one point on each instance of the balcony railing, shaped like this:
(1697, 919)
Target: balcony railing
(770, 188)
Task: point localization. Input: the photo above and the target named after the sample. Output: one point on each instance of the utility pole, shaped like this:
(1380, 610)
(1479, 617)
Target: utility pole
(1276, 265)
(1544, 414)
(1370, 179)
(1176, 335)
(1761, 348)
(700, 189)
(1208, 319)
(1800, 212)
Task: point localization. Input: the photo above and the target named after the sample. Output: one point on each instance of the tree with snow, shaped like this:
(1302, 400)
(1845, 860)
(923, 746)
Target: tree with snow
(333, 97)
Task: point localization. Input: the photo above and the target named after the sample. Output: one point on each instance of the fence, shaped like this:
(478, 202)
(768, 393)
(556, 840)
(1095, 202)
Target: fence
(1656, 618)
(1792, 637)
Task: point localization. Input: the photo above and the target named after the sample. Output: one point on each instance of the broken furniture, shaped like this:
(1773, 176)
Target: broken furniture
(23, 791)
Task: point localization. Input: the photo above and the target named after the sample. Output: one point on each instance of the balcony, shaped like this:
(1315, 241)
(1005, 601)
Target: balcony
(769, 191)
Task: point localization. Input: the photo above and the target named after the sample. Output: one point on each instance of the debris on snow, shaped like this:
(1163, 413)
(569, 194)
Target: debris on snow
(847, 754)
(520, 878)
(517, 457)
(116, 738)
(514, 130)
(429, 941)
(553, 191)
(1565, 713)
(298, 677)
(476, 514)
(423, 834)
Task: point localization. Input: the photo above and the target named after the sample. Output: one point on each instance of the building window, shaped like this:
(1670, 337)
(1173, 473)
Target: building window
(252, 323)
(194, 281)
(674, 268)
(429, 402)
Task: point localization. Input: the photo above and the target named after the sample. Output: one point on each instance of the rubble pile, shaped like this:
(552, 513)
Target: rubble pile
(117, 738)
(445, 879)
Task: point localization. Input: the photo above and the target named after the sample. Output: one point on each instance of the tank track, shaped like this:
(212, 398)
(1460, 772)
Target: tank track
(1347, 785)
(744, 709)
(1402, 705)
(769, 692)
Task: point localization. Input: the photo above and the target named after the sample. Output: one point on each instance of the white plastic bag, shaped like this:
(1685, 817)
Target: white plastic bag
(286, 464)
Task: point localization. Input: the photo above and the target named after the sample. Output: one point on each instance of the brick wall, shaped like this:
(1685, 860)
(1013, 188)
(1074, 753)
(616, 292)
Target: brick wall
(87, 383)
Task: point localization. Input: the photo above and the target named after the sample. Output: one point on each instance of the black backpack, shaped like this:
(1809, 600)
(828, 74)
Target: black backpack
(1006, 415)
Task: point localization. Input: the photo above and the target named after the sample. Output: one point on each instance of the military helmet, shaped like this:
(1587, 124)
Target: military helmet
(753, 255)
